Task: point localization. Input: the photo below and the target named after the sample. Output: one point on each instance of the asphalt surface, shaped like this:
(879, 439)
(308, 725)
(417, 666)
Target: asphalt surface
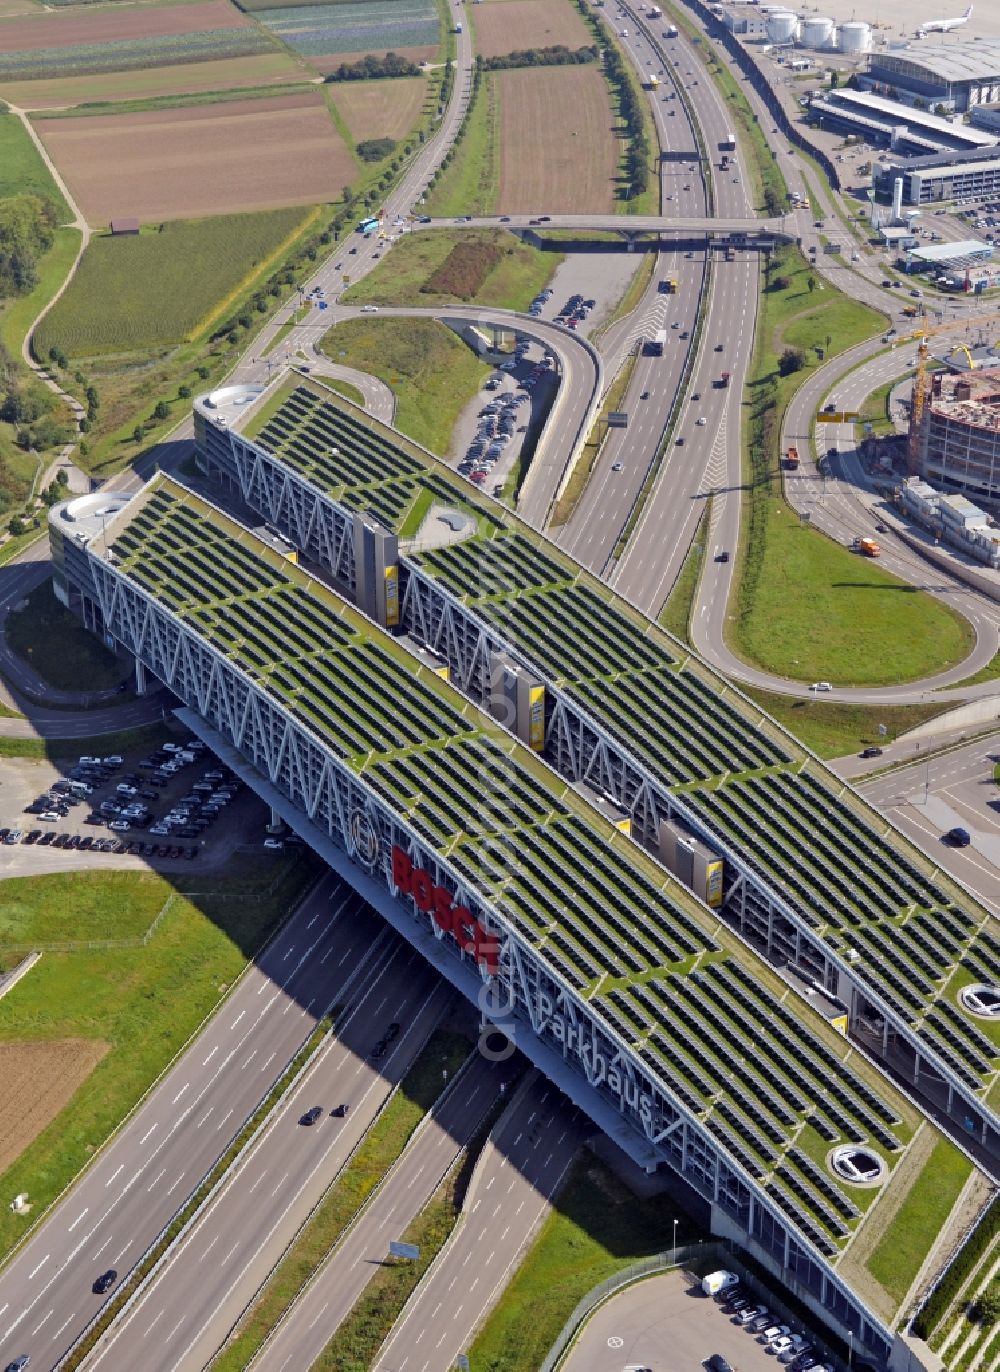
(953, 790)
(147, 1170)
(663, 1323)
(509, 1197)
(434, 1148)
(186, 1313)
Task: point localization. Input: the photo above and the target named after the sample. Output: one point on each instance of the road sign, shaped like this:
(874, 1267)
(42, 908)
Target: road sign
(410, 1251)
(838, 417)
(618, 419)
(462, 1363)
(882, 731)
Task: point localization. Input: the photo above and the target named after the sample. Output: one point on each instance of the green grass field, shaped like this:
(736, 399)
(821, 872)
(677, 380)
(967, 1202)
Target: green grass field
(516, 278)
(432, 373)
(157, 288)
(80, 907)
(470, 183)
(806, 607)
(832, 730)
(22, 170)
(822, 611)
(59, 648)
(908, 1238)
(597, 1228)
(144, 1001)
(18, 314)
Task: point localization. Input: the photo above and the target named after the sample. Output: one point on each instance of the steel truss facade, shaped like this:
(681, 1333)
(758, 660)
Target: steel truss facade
(582, 750)
(525, 987)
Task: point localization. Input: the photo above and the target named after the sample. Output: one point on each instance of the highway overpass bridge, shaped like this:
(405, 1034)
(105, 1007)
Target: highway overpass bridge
(746, 233)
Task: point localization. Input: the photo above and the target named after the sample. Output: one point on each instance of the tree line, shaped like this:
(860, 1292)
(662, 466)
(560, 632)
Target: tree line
(559, 55)
(372, 68)
(26, 227)
(637, 157)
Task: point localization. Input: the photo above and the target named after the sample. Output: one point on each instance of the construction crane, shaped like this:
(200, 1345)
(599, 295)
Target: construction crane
(918, 403)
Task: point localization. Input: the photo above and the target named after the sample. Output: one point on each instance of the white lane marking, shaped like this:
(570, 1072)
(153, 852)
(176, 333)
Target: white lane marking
(209, 1249)
(120, 1168)
(69, 1230)
(35, 1271)
(216, 1048)
(180, 1093)
(162, 1173)
(148, 1132)
(176, 1183)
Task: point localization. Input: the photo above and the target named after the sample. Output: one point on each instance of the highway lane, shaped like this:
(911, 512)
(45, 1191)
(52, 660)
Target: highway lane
(136, 1184)
(510, 1196)
(186, 1313)
(603, 510)
(935, 794)
(434, 1148)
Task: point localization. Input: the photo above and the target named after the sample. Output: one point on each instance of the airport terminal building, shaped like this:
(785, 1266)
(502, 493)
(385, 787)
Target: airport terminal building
(958, 76)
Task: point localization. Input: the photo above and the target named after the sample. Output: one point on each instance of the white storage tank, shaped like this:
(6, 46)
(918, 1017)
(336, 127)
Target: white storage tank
(782, 27)
(816, 31)
(855, 36)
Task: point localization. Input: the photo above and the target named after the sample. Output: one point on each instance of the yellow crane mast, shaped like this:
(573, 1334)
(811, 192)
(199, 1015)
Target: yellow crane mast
(918, 402)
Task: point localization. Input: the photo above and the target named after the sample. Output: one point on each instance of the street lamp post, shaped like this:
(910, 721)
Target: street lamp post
(674, 1249)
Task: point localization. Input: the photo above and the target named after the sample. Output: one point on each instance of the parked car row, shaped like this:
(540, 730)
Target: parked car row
(497, 422)
(539, 302)
(788, 1346)
(49, 838)
(575, 311)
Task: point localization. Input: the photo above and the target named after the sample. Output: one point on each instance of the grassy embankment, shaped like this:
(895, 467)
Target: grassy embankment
(143, 999)
(597, 1228)
(67, 750)
(577, 483)
(55, 643)
(873, 628)
(470, 183)
(908, 1237)
(430, 371)
(675, 616)
(382, 1145)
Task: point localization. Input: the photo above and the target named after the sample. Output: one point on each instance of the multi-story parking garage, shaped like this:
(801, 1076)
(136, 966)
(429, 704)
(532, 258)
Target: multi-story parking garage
(518, 874)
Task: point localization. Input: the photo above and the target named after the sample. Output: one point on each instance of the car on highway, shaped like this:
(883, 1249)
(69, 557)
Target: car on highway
(722, 557)
(881, 528)
(958, 838)
(339, 1111)
(369, 309)
(870, 752)
(19, 1364)
(821, 686)
(701, 422)
(105, 1281)
(311, 1116)
(617, 466)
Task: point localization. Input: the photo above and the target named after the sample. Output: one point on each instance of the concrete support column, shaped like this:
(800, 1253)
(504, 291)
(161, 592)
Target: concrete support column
(141, 680)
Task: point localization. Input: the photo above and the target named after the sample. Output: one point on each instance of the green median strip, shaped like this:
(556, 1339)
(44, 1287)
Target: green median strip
(577, 483)
(184, 1216)
(444, 1051)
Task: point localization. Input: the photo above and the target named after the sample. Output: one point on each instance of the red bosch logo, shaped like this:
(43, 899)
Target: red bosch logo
(436, 901)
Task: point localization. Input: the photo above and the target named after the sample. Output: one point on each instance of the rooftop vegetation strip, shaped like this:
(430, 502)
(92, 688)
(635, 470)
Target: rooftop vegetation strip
(623, 938)
(863, 893)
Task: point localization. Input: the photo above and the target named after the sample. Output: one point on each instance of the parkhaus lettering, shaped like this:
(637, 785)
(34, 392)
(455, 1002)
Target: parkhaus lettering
(436, 901)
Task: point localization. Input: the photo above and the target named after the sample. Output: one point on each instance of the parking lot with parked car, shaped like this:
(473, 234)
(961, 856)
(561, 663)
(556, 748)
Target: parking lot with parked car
(170, 806)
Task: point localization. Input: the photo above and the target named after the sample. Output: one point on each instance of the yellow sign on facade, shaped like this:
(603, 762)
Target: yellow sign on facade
(536, 718)
(391, 596)
(713, 882)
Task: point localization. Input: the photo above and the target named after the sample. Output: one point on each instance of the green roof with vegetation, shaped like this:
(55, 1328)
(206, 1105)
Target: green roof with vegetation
(874, 898)
(672, 981)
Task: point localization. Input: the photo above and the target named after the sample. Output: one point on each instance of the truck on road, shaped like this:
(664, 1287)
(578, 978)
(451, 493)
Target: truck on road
(792, 459)
(723, 382)
(670, 31)
(654, 12)
(728, 144)
(656, 344)
(867, 547)
(652, 82)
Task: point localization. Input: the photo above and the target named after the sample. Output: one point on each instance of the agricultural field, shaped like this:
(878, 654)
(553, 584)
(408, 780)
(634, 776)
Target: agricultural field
(181, 163)
(380, 109)
(505, 25)
(558, 150)
(22, 170)
(147, 83)
(474, 266)
(81, 41)
(328, 34)
(156, 289)
(39, 1079)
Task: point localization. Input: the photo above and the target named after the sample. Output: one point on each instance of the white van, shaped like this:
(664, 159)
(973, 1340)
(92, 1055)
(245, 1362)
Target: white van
(718, 1283)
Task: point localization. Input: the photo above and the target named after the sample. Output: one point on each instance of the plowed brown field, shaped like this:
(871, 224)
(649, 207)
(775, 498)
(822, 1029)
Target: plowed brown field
(508, 25)
(209, 159)
(61, 28)
(38, 1080)
(558, 149)
(380, 109)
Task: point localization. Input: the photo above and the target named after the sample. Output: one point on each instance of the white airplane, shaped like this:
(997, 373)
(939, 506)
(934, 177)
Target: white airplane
(946, 25)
